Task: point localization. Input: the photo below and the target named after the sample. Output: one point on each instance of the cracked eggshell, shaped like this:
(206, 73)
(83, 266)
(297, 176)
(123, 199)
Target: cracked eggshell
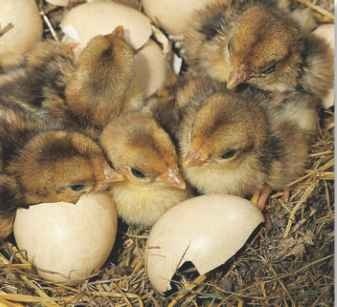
(327, 32)
(206, 230)
(85, 21)
(27, 27)
(59, 2)
(173, 15)
(151, 68)
(67, 242)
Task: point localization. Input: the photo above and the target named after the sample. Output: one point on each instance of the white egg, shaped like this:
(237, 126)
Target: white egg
(68, 242)
(85, 21)
(327, 32)
(173, 15)
(206, 230)
(24, 24)
(151, 68)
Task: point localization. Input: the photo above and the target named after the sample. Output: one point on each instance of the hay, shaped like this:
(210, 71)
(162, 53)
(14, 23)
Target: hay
(289, 262)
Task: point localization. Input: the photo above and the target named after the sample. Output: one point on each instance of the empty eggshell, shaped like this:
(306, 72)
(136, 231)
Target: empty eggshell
(206, 230)
(68, 242)
(151, 68)
(25, 27)
(327, 32)
(85, 21)
(173, 15)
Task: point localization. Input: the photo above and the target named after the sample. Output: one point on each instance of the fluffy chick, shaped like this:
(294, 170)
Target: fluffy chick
(103, 85)
(142, 151)
(231, 145)
(41, 164)
(257, 43)
(37, 83)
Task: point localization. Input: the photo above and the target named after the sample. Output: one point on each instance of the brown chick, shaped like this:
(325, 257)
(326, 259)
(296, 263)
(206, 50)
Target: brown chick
(257, 43)
(103, 85)
(142, 151)
(42, 164)
(229, 144)
(38, 82)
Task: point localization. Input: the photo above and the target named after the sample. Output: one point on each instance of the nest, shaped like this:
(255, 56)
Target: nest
(289, 262)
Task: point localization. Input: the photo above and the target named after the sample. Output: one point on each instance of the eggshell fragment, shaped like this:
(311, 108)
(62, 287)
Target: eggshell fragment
(68, 242)
(85, 21)
(151, 68)
(327, 32)
(206, 230)
(173, 15)
(24, 27)
(59, 2)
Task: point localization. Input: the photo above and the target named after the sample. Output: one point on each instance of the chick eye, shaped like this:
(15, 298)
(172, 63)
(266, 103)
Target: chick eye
(229, 153)
(77, 187)
(269, 68)
(137, 173)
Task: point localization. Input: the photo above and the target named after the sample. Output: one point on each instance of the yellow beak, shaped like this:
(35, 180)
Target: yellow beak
(237, 77)
(194, 158)
(173, 179)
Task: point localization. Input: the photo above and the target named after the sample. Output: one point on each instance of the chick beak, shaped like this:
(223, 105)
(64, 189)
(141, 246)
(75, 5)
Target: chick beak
(110, 177)
(237, 77)
(194, 158)
(173, 179)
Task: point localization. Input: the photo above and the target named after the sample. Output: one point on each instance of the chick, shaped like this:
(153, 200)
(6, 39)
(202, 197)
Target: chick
(103, 85)
(38, 81)
(43, 164)
(142, 151)
(231, 145)
(257, 43)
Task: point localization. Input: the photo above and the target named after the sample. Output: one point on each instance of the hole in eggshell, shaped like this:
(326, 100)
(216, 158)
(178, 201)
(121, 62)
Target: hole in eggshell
(188, 272)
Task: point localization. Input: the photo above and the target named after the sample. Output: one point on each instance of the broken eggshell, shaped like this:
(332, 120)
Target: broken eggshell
(68, 242)
(327, 32)
(173, 15)
(206, 230)
(59, 2)
(151, 68)
(85, 21)
(22, 26)
(151, 62)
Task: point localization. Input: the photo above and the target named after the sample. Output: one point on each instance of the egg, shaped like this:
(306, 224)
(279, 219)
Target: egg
(206, 230)
(151, 68)
(327, 32)
(173, 15)
(68, 242)
(24, 25)
(85, 21)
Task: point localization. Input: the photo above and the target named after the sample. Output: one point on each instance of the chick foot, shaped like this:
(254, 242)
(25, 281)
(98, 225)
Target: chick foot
(260, 197)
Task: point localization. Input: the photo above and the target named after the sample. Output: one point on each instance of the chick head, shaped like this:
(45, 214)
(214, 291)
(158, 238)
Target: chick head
(61, 166)
(104, 73)
(260, 47)
(142, 151)
(222, 145)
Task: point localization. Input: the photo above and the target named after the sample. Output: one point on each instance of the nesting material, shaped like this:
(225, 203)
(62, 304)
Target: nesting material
(206, 230)
(67, 242)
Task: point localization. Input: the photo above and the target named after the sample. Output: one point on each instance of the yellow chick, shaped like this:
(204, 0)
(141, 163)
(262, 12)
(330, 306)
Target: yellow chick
(142, 151)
